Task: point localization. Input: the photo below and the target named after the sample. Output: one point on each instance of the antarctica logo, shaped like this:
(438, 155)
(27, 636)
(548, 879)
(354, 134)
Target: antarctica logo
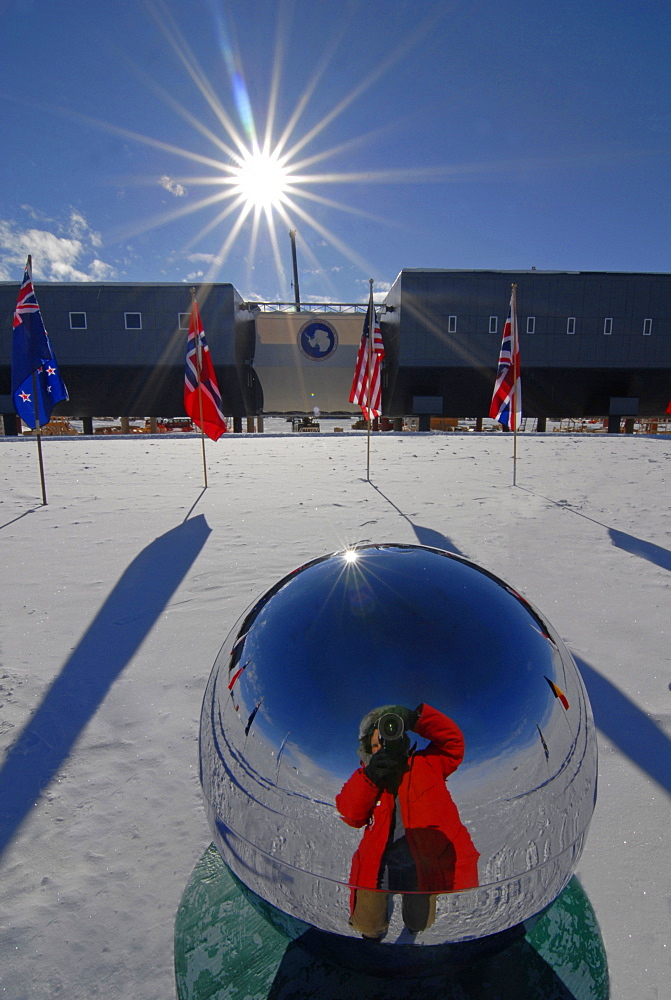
(317, 340)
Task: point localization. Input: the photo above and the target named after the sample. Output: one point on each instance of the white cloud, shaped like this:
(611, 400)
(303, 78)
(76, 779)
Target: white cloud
(78, 226)
(335, 269)
(205, 258)
(322, 299)
(35, 214)
(172, 186)
(100, 271)
(380, 288)
(65, 251)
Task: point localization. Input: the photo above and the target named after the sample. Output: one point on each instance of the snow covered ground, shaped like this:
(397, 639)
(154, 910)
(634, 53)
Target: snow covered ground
(117, 595)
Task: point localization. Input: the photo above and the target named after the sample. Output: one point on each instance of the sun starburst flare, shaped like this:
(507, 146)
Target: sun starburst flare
(256, 183)
(261, 179)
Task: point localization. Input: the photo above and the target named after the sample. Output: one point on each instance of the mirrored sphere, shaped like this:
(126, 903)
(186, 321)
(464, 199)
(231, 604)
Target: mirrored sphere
(469, 825)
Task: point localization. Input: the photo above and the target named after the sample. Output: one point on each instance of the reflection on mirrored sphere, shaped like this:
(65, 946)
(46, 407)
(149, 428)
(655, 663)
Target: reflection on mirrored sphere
(396, 745)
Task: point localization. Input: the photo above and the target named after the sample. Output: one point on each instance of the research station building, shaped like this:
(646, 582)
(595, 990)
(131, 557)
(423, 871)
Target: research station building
(592, 344)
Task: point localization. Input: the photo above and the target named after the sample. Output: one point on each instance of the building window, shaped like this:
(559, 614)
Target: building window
(531, 324)
(608, 326)
(77, 321)
(570, 324)
(493, 324)
(183, 320)
(133, 321)
(647, 327)
(451, 324)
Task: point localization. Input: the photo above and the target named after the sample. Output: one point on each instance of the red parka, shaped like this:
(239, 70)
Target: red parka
(441, 846)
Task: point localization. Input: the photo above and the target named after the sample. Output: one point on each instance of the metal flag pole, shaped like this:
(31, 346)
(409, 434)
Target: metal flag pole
(36, 409)
(38, 433)
(198, 383)
(515, 352)
(297, 294)
(369, 379)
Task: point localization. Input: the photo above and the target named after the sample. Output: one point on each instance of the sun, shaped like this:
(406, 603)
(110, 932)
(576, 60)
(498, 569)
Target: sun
(261, 179)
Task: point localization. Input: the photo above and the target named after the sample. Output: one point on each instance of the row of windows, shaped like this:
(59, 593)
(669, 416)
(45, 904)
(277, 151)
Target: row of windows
(132, 320)
(531, 325)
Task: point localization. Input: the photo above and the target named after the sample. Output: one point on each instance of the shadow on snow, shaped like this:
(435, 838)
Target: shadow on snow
(639, 547)
(627, 726)
(119, 628)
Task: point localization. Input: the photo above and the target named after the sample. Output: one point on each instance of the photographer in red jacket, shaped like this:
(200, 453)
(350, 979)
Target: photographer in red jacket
(414, 841)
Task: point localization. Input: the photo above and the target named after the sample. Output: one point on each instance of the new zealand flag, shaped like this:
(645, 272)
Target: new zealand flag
(32, 355)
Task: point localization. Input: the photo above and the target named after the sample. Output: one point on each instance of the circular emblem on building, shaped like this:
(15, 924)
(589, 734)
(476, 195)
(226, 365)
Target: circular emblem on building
(317, 340)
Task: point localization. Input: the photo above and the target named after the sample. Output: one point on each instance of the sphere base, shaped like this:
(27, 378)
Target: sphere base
(225, 949)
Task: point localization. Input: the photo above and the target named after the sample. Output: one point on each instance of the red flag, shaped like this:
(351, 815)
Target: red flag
(668, 409)
(366, 389)
(507, 399)
(235, 677)
(202, 399)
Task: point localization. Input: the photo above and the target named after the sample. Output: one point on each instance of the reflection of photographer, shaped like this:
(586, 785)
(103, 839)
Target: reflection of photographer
(414, 842)
(389, 748)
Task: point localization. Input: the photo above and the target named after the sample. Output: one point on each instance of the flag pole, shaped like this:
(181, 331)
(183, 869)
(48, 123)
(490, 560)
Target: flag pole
(369, 386)
(36, 410)
(200, 388)
(38, 433)
(513, 401)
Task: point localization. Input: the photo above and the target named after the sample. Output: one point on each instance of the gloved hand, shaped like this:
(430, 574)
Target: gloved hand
(386, 770)
(409, 715)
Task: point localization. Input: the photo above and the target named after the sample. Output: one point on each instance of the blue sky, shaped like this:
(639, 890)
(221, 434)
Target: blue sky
(449, 135)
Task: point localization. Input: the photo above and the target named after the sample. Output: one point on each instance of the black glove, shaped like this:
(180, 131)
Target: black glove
(410, 716)
(386, 770)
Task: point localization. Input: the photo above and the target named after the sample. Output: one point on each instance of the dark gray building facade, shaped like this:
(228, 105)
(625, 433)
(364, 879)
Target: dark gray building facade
(591, 344)
(121, 348)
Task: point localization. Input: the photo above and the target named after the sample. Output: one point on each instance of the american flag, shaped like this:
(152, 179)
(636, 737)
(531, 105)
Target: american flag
(367, 382)
(202, 399)
(507, 399)
(36, 381)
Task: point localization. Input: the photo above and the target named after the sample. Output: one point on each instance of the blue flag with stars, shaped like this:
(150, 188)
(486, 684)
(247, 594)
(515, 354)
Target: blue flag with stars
(32, 355)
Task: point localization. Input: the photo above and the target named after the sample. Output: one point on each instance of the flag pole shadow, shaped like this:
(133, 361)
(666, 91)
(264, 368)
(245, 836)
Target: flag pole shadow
(633, 732)
(105, 649)
(425, 536)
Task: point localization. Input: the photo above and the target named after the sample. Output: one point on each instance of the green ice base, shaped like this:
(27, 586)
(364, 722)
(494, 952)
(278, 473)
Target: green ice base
(225, 950)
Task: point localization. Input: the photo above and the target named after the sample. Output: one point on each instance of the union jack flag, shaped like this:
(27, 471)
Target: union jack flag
(202, 399)
(366, 389)
(36, 381)
(507, 399)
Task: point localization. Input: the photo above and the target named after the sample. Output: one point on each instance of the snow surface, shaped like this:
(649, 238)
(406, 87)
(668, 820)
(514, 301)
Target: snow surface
(118, 594)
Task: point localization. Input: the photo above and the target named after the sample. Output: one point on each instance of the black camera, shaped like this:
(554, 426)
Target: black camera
(391, 728)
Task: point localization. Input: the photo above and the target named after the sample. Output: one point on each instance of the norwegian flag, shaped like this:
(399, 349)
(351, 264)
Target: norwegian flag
(36, 381)
(366, 389)
(202, 399)
(507, 399)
